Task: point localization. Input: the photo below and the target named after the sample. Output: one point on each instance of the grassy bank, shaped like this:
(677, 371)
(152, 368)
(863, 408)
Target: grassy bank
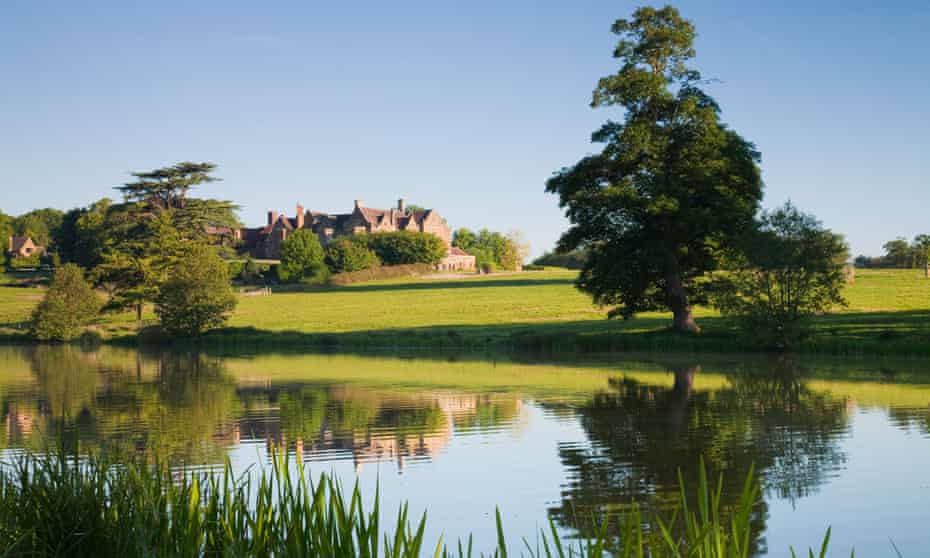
(58, 507)
(888, 314)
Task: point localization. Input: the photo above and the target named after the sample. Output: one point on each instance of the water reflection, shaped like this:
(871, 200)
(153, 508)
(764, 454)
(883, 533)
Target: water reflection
(601, 434)
(642, 435)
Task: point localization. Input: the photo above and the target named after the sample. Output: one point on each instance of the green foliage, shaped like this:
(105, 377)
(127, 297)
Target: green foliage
(235, 268)
(145, 234)
(404, 247)
(672, 185)
(197, 296)
(573, 259)
(492, 250)
(790, 269)
(39, 224)
(301, 256)
(69, 304)
(343, 256)
(900, 254)
(24, 262)
(56, 506)
(81, 237)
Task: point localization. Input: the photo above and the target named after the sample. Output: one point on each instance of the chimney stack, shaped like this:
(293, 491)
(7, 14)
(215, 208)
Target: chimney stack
(401, 206)
(300, 216)
(272, 216)
(358, 203)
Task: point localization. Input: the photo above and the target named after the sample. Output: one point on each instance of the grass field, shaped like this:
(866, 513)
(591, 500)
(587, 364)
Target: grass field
(888, 314)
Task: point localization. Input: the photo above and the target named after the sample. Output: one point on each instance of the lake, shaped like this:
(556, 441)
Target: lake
(835, 443)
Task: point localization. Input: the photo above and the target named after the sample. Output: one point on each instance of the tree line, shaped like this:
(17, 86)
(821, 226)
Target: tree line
(900, 254)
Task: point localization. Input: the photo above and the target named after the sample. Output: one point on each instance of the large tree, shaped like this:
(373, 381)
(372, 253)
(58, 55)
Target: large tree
(672, 185)
(146, 232)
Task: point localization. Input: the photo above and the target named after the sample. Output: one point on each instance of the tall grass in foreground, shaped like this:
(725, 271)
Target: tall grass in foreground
(57, 507)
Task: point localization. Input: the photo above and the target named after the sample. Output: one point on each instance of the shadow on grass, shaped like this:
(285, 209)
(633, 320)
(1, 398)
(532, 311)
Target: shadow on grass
(851, 334)
(429, 284)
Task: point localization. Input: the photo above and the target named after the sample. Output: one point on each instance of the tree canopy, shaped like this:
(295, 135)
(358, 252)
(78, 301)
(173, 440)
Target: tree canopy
(301, 256)
(69, 304)
(197, 296)
(672, 184)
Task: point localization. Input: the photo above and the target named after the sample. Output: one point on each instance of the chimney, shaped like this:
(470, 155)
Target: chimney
(401, 206)
(300, 216)
(359, 203)
(272, 217)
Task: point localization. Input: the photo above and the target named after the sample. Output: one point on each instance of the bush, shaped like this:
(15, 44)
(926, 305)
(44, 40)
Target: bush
(301, 256)
(345, 256)
(69, 304)
(24, 262)
(405, 247)
(198, 296)
(790, 269)
(235, 268)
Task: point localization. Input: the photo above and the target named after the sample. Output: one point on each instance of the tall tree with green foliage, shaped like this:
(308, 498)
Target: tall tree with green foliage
(672, 185)
(301, 256)
(70, 303)
(197, 295)
(147, 230)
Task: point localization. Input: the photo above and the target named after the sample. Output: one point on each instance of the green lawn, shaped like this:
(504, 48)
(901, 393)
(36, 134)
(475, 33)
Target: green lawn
(888, 313)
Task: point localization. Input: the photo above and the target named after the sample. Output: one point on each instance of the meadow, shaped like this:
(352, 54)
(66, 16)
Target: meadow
(887, 314)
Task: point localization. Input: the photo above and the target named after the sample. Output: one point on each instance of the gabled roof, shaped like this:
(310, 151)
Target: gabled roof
(19, 241)
(281, 219)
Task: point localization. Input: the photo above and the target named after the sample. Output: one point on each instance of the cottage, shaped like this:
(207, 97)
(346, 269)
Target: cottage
(265, 242)
(23, 247)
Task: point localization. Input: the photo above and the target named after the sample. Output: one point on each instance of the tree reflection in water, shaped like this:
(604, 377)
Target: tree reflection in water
(642, 435)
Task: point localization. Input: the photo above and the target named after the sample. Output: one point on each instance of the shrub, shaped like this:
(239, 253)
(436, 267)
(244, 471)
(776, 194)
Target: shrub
(198, 296)
(344, 256)
(24, 262)
(301, 256)
(790, 269)
(69, 304)
(235, 268)
(405, 247)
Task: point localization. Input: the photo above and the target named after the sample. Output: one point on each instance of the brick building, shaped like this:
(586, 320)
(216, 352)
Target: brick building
(265, 242)
(23, 247)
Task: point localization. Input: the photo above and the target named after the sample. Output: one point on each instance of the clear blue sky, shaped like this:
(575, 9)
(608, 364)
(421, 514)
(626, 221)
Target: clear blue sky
(463, 106)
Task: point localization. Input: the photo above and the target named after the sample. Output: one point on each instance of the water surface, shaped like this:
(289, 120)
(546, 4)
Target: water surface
(834, 443)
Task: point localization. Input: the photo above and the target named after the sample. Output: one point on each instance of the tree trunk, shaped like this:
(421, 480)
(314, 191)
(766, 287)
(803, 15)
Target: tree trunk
(681, 395)
(139, 316)
(678, 301)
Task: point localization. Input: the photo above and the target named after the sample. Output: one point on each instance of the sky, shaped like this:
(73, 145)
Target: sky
(466, 107)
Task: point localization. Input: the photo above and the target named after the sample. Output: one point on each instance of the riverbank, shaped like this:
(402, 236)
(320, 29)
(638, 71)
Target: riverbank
(888, 315)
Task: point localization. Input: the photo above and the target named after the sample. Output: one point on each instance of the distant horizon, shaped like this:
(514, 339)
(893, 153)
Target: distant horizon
(466, 108)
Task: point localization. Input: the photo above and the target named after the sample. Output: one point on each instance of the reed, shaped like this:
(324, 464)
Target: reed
(56, 506)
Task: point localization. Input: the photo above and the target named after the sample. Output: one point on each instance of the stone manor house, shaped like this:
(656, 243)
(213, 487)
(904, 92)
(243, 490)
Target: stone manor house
(265, 242)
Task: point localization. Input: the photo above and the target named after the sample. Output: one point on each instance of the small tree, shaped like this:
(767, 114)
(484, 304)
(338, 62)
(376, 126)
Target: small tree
(198, 296)
(69, 304)
(791, 268)
(301, 256)
(343, 255)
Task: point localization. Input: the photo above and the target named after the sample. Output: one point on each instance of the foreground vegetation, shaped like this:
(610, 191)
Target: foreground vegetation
(887, 314)
(55, 507)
